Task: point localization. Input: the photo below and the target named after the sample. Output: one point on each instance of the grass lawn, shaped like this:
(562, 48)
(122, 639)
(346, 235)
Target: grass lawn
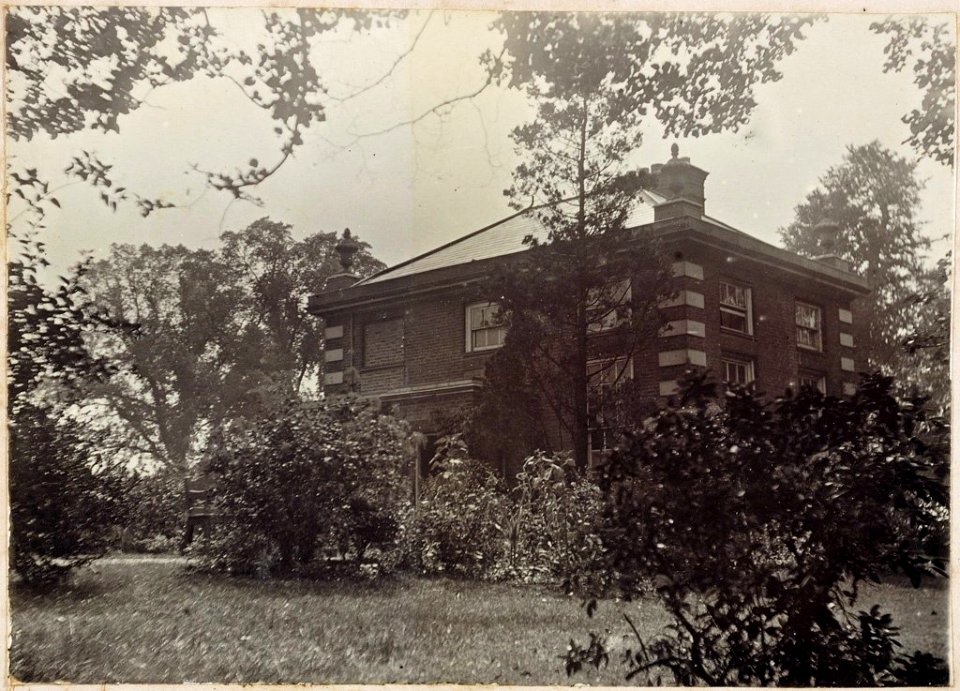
(149, 621)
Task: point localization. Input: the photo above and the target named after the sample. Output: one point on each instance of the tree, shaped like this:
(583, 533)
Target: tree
(169, 370)
(62, 505)
(730, 515)
(927, 346)
(694, 73)
(569, 301)
(117, 55)
(61, 508)
(928, 48)
(873, 197)
(275, 273)
(214, 330)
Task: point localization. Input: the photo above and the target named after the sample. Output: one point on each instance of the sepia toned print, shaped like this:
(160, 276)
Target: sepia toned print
(516, 348)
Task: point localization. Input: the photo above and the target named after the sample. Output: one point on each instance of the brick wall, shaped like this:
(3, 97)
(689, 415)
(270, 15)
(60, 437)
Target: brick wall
(416, 343)
(383, 343)
(772, 346)
(435, 339)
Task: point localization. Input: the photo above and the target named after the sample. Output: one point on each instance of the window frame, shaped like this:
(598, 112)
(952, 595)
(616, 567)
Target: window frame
(750, 369)
(746, 313)
(798, 326)
(820, 377)
(626, 373)
(625, 289)
(469, 330)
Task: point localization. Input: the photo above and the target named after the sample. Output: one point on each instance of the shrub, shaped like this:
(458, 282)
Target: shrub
(757, 523)
(553, 525)
(307, 479)
(544, 528)
(153, 512)
(459, 521)
(62, 511)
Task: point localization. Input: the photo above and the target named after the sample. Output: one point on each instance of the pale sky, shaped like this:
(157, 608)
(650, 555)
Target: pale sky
(413, 188)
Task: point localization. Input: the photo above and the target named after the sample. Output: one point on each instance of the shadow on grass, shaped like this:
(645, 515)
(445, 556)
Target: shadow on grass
(337, 581)
(77, 586)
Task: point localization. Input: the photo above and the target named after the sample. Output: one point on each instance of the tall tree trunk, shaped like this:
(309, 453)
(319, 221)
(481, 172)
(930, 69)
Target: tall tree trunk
(581, 435)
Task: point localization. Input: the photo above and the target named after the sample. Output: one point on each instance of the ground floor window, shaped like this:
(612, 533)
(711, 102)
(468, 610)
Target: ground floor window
(604, 378)
(737, 370)
(813, 380)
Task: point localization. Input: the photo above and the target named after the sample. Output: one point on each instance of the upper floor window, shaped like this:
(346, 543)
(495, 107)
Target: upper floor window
(809, 327)
(737, 370)
(736, 308)
(608, 307)
(485, 329)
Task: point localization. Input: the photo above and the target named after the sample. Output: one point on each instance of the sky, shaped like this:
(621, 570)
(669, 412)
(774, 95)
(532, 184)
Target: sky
(413, 188)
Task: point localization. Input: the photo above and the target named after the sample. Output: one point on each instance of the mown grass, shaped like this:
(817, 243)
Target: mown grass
(150, 621)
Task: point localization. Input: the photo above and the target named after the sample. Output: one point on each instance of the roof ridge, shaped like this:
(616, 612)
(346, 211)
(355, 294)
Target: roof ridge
(451, 243)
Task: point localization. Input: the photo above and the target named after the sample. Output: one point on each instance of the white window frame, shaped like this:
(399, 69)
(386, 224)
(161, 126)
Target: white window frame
(607, 368)
(612, 319)
(469, 330)
(750, 375)
(803, 327)
(746, 313)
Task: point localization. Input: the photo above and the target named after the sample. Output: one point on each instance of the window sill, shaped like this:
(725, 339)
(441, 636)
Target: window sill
(482, 351)
(808, 349)
(734, 332)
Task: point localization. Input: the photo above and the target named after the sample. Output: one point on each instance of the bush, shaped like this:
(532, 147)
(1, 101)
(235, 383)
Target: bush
(307, 479)
(757, 523)
(459, 521)
(62, 511)
(553, 525)
(153, 512)
(544, 528)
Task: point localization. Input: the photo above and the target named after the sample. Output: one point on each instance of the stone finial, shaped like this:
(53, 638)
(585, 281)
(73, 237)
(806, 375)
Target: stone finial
(826, 232)
(347, 248)
(674, 150)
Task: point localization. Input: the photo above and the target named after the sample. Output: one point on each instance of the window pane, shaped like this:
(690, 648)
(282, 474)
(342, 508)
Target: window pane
(737, 372)
(733, 296)
(732, 320)
(808, 316)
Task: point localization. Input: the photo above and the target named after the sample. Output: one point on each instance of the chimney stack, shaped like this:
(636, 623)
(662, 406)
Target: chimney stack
(681, 183)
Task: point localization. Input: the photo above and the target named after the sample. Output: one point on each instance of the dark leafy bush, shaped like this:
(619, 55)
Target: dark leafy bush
(756, 524)
(544, 528)
(62, 510)
(304, 481)
(553, 526)
(460, 518)
(154, 513)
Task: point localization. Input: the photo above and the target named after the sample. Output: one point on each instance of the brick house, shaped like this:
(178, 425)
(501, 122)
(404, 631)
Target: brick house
(418, 334)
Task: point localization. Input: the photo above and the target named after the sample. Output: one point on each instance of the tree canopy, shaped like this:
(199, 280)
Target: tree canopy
(109, 59)
(873, 196)
(212, 330)
(927, 48)
(595, 79)
(695, 73)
